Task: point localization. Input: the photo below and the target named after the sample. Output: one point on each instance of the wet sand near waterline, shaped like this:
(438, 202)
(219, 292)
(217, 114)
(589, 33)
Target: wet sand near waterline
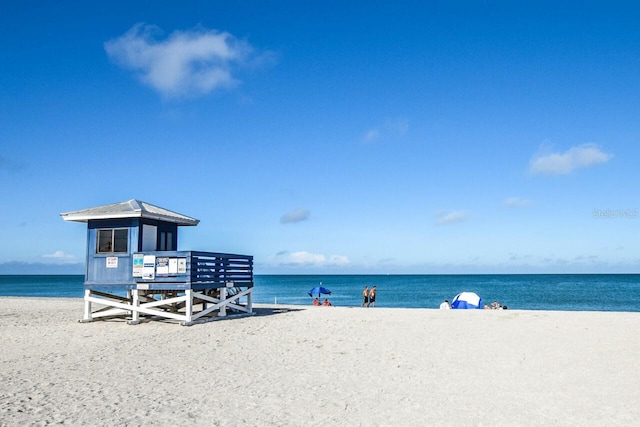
(319, 366)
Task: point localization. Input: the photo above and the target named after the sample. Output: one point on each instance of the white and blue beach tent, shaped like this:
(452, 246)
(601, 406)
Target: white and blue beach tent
(466, 300)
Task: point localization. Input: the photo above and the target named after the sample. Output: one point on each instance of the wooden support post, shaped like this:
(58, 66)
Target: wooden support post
(189, 305)
(223, 297)
(87, 306)
(250, 300)
(135, 302)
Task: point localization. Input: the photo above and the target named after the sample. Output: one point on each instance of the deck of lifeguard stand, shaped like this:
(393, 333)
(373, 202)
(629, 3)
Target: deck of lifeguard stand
(212, 285)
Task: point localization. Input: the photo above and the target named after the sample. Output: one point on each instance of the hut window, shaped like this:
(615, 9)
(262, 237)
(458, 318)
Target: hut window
(166, 241)
(113, 240)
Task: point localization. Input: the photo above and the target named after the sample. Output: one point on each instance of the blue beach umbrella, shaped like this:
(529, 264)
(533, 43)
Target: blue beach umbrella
(466, 300)
(319, 290)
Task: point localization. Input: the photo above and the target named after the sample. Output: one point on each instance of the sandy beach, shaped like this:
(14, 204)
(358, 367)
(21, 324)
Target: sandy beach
(294, 366)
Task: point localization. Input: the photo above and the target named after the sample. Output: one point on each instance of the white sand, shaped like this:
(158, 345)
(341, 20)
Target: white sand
(320, 366)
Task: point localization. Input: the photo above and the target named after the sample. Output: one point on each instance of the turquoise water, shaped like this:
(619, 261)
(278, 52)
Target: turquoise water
(582, 292)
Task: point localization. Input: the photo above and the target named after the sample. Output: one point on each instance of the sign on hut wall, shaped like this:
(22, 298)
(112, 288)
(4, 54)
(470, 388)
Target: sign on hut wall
(148, 267)
(162, 266)
(138, 264)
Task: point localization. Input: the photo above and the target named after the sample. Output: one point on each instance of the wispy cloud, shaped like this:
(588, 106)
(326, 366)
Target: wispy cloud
(185, 63)
(390, 128)
(295, 216)
(60, 256)
(563, 163)
(454, 217)
(372, 135)
(517, 202)
(308, 259)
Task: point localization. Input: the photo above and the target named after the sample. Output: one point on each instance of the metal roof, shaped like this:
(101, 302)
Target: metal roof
(130, 209)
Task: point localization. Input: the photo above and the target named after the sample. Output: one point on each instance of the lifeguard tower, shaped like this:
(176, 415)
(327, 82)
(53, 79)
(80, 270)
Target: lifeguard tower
(134, 270)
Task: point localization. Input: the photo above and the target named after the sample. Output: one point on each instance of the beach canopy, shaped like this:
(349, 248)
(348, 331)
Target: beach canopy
(466, 300)
(319, 290)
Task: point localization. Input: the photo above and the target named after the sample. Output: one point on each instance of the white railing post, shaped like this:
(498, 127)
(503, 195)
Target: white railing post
(135, 303)
(223, 307)
(189, 305)
(87, 305)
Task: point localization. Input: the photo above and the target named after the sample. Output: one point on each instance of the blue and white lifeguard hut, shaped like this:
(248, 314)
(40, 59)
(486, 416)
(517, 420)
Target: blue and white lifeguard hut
(133, 268)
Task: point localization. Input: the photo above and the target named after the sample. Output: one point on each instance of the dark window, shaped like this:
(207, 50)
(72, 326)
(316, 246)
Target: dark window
(113, 240)
(166, 241)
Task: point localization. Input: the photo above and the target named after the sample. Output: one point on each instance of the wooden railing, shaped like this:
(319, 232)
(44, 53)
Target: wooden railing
(221, 269)
(203, 270)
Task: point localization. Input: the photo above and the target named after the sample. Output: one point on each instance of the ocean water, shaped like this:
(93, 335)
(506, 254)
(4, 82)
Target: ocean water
(580, 292)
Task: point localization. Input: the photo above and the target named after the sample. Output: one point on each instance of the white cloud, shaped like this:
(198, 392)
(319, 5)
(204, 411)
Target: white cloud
(339, 260)
(517, 202)
(564, 163)
(60, 256)
(454, 217)
(295, 216)
(308, 259)
(186, 63)
(372, 135)
(390, 128)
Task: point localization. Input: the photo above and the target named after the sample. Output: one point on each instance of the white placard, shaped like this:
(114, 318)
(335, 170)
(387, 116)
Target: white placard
(149, 267)
(162, 266)
(112, 262)
(182, 265)
(138, 265)
(173, 265)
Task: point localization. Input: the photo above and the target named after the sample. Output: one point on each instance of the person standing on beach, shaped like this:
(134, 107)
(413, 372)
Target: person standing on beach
(372, 297)
(365, 297)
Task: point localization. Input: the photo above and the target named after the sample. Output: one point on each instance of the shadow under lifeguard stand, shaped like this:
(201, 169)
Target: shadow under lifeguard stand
(134, 271)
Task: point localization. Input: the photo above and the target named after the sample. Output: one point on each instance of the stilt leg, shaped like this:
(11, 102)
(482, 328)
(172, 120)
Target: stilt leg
(223, 297)
(135, 302)
(189, 305)
(87, 306)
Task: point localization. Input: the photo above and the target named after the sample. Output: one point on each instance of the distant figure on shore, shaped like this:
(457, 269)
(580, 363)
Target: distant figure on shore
(445, 305)
(316, 302)
(372, 297)
(365, 297)
(326, 302)
(486, 307)
(496, 305)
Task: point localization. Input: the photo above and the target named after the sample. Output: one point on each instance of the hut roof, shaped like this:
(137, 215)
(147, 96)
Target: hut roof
(130, 209)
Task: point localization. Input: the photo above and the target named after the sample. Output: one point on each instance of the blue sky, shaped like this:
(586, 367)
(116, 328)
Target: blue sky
(328, 137)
